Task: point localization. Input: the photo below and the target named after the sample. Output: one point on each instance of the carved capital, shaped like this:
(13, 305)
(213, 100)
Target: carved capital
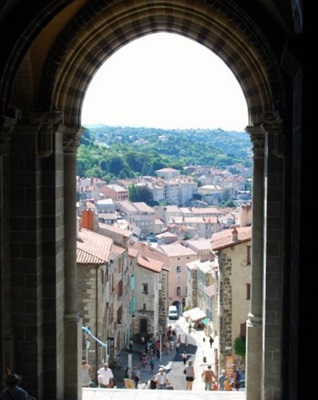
(47, 122)
(258, 140)
(7, 124)
(273, 125)
(71, 139)
(253, 321)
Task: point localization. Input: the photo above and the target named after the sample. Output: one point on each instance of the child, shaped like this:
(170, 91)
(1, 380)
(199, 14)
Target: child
(227, 384)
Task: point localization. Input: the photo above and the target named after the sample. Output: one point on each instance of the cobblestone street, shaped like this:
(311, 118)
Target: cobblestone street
(173, 359)
(198, 350)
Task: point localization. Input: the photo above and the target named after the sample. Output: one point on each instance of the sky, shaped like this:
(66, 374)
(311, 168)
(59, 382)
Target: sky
(165, 81)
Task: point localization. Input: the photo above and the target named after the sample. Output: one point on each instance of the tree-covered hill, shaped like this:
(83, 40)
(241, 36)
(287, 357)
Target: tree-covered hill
(125, 152)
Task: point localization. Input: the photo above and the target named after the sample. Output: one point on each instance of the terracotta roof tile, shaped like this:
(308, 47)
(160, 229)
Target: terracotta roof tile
(224, 238)
(93, 246)
(111, 228)
(150, 264)
(116, 251)
(175, 250)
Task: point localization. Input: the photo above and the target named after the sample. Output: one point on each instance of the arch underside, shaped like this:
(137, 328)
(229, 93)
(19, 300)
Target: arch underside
(60, 56)
(95, 34)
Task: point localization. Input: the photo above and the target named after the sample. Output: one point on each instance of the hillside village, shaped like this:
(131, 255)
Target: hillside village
(170, 187)
(134, 261)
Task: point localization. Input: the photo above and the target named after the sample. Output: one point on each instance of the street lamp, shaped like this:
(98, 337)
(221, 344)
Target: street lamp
(111, 348)
(132, 326)
(160, 344)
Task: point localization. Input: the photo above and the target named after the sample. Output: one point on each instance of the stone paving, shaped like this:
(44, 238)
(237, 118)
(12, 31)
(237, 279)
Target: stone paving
(198, 350)
(174, 374)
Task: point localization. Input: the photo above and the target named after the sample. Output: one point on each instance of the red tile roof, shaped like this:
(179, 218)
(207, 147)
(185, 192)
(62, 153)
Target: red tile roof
(148, 263)
(93, 248)
(223, 239)
(117, 251)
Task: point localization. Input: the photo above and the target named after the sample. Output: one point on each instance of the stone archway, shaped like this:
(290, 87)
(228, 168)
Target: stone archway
(92, 33)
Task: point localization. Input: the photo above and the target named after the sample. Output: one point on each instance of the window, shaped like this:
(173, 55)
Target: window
(102, 277)
(112, 283)
(145, 288)
(178, 268)
(243, 331)
(178, 290)
(249, 255)
(248, 291)
(120, 288)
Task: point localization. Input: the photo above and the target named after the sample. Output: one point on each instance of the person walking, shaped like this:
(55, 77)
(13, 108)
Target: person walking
(227, 384)
(208, 378)
(162, 380)
(143, 360)
(105, 376)
(152, 363)
(184, 356)
(136, 376)
(189, 375)
(236, 377)
(177, 347)
(221, 379)
(167, 347)
(87, 374)
(211, 340)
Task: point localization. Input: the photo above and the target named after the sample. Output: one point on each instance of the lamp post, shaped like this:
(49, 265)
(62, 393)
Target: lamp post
(132, 326)
(87, 345)
(106, 352)
(160, 344)
(110, 350)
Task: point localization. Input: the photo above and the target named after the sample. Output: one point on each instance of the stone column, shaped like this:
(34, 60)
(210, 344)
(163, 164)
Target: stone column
(51, 153)
(254, 322)
(73, 323)
(7, 124)
(26, 264)
(273, 265)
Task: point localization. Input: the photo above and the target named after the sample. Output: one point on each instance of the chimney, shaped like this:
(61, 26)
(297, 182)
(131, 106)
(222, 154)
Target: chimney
(87, 219)
(234, 234)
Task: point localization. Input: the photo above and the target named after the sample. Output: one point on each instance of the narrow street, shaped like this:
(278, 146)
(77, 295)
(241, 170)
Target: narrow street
(198, 350)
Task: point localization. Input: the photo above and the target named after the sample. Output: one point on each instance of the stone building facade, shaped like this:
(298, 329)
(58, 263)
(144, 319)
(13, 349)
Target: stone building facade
(93, 261)
(234, 279)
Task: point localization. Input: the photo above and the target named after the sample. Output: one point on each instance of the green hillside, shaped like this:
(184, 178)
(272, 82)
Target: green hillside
(111, 152)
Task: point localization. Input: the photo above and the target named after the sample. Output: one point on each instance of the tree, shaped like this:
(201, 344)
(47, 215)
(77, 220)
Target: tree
(145, 169)
(226, 195)
(141, 194)
(132, 193)
(240, 346)
(116, 164)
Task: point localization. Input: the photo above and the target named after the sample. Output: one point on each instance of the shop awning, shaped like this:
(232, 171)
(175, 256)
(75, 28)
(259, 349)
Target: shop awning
(195, 314)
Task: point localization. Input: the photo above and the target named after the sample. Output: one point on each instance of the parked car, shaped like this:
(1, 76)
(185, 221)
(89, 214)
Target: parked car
(173, 312)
